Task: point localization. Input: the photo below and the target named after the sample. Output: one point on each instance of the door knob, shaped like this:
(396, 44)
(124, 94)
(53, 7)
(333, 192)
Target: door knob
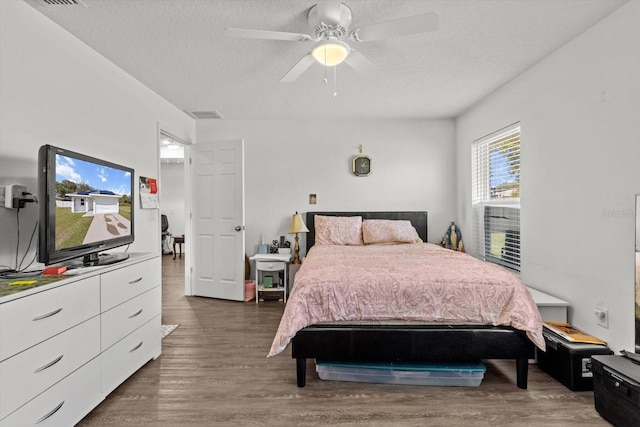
(239, 228)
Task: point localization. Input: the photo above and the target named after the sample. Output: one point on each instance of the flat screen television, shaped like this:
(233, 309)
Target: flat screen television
(86, 206)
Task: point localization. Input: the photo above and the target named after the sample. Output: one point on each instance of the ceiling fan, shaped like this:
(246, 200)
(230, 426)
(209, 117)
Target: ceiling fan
(330, 21)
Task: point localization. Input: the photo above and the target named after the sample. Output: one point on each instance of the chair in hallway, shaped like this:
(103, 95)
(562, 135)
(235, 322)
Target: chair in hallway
(177, 240)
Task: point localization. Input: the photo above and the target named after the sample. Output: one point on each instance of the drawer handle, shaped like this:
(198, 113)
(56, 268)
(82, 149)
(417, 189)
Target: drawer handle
(53, 411)
(44, 316)
(135, 281)
(136, 347)
(138, 313)
(48, 365)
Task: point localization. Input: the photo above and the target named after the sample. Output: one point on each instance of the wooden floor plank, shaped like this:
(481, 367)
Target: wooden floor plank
(213, 371)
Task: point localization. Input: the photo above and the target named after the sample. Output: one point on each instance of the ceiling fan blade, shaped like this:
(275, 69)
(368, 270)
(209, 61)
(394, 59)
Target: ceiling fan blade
(330, 12)
(399, 27)
(360, 63)
(265, 35)
(297, 70)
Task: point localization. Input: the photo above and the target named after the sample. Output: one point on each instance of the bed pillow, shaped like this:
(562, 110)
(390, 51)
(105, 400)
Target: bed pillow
(338, 230)
(386, 231)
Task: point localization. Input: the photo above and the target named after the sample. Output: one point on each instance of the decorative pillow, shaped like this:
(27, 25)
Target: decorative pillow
(376, 231)
(338, 230)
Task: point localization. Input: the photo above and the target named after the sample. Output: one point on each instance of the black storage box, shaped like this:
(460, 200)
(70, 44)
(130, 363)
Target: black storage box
(569, 362)
(616, 390)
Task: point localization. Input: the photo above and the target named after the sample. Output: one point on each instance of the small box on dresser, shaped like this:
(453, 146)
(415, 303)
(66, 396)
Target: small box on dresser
(616, 390)
(569, 362)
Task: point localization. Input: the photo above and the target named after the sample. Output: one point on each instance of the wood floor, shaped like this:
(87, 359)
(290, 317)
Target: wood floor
(213, 371)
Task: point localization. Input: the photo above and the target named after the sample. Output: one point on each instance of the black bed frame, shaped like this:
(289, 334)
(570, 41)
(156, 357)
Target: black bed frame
(407, 343)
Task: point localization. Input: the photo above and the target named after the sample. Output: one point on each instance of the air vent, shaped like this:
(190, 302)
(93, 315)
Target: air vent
(63, 3)
(199, 114)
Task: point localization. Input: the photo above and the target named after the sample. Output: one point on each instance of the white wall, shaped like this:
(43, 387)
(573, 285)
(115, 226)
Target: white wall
(579, 111)
(56, 90)
(285, 161)
(172, 199)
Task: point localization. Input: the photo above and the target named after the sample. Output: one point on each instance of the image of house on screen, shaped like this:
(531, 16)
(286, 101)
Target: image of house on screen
(98, 202)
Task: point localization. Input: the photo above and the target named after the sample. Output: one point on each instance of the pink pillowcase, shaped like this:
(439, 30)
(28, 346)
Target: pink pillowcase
(338, 230)
(376, 231)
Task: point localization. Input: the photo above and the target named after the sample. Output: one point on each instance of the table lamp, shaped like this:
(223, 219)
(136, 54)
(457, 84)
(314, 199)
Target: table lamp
(297, 226)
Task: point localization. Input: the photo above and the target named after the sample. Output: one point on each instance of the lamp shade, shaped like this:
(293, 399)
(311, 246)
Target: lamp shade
(297, 224)
(331, 51)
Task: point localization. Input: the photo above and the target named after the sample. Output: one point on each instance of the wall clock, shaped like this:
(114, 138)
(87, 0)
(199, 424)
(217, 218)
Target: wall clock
(361, 165)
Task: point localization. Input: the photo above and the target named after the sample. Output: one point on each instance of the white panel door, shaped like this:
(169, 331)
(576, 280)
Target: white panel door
(218, 220)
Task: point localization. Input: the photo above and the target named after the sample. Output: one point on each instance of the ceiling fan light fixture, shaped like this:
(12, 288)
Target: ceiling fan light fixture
(330, 52)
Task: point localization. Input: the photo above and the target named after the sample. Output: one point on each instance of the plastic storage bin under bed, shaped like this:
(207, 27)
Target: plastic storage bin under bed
(434, 374)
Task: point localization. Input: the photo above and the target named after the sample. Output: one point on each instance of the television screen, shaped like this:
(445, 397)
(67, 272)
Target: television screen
(86, 207)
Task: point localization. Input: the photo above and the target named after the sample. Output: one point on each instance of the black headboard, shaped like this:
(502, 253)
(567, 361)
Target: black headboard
(418, 219)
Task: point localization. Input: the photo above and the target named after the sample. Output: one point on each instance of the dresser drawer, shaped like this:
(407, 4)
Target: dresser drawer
(28, 321)
(28, 374)
(125, 318)
(129, 354)
(270, 266)
(64, 404)
(123, 284)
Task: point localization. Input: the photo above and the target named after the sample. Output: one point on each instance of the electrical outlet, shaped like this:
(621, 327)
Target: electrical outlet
(13, 194)
(2, 190)
(602, 317)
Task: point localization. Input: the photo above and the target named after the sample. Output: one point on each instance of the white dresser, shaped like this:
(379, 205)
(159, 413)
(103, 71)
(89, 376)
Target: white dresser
(65, 345)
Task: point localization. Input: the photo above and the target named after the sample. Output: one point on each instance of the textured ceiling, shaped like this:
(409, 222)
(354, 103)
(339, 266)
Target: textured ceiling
(176, 48)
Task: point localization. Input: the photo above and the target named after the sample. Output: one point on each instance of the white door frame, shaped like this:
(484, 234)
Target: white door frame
(188, 223)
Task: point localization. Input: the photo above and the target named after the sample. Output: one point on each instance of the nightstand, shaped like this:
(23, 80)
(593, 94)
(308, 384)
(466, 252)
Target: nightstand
(271, 263)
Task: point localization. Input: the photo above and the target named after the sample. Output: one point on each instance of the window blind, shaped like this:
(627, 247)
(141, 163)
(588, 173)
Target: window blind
(496, 197)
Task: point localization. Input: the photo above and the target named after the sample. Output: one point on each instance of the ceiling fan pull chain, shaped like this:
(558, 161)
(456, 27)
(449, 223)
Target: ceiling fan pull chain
(325, 67)
(335, 81)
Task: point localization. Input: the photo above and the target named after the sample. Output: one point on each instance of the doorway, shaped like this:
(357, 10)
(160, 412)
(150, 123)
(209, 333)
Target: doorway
(173, 197)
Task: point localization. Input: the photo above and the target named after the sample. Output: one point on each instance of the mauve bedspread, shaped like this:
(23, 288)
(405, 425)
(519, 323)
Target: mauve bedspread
(407, 282)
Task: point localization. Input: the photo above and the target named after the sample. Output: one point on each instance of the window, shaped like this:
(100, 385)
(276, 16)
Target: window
(496, 196)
